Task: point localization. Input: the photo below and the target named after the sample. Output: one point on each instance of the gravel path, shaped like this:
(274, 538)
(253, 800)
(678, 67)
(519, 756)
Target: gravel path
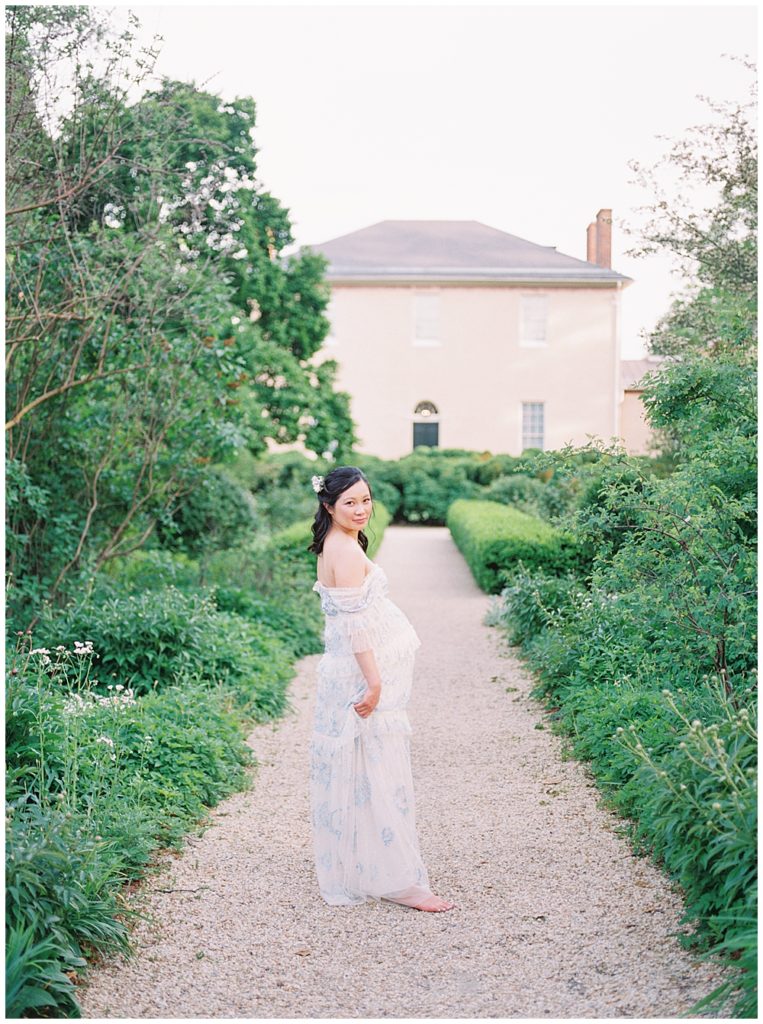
(554, 916)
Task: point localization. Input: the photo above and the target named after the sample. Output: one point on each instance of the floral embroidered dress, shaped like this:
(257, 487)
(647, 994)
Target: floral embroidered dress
(361, 790)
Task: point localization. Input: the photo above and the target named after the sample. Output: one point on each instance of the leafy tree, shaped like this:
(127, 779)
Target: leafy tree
(153, 328)
(715, 246)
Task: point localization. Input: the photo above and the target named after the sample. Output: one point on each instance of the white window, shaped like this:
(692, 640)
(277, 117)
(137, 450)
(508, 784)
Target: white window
(533, 319)
(330, 314)
(426, 317)
(532, 425)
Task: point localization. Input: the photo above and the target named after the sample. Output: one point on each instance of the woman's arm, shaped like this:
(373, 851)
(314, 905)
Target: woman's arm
(368, 666)
(350, 571)
(372, 696)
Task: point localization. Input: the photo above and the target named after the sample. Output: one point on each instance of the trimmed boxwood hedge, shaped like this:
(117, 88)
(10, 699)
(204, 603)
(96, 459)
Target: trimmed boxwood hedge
(494, 539)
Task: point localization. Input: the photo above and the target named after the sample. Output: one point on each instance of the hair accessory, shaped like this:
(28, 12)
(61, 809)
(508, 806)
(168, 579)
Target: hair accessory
(317, 484)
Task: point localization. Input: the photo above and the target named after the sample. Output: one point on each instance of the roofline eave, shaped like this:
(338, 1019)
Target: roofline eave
(337, 277)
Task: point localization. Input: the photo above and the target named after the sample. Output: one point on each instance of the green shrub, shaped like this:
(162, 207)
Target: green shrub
(495, 539)
(487, 468)
(677, 760)
(280, 485)
(160, 637)
(150, 569)
(533, 602)
(275, 471)
(267, 585)
(427, 496)
(649, 662)
(254, 580)
(697, 814)
(94, 783)
(520, 491)
(428, 480)
(216, 513)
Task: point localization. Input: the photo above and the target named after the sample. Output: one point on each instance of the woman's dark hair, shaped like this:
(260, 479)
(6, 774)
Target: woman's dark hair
(335, 484)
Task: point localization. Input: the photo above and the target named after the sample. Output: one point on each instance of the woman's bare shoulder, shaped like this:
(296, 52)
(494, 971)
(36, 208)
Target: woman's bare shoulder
(343, 563)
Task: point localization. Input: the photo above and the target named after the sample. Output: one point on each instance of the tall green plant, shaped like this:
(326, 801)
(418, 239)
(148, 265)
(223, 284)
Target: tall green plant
(715, 247)
(153, 327)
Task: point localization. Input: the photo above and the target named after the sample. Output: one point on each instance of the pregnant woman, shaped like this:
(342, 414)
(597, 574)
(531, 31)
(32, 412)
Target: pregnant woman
(361, 789)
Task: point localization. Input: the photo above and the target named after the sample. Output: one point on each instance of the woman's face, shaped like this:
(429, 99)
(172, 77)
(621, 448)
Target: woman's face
(353, 507)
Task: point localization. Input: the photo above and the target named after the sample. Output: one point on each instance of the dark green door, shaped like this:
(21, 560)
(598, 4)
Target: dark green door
(426, 433)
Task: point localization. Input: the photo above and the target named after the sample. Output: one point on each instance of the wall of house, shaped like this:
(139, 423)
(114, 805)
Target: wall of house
(480, 373)
(635, 431)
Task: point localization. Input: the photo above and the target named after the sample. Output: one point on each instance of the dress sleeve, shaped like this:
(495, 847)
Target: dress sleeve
(356, 618)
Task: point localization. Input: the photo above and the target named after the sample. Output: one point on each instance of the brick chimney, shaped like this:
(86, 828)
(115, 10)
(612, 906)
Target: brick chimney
(599, 239)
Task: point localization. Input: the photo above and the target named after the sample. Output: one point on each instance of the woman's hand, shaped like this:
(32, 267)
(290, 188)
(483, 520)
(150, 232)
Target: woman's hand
(368, 701)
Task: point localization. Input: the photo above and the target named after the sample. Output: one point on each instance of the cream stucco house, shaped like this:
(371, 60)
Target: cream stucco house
(638, 435)
(458, 335)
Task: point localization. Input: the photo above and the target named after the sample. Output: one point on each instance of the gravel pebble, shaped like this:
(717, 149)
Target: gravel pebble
(554, 916)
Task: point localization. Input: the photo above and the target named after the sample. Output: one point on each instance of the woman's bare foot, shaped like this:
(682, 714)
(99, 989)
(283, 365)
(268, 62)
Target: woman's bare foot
(434, 903)
(431, 903)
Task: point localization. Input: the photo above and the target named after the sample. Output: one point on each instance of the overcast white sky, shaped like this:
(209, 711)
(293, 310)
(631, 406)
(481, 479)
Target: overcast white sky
(521, 117)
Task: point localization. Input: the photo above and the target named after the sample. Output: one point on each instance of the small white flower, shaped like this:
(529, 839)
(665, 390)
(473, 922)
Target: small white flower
(317, 482)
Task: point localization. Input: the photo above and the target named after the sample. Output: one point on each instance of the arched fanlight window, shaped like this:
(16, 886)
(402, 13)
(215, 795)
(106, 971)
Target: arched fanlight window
(426, 425)
(426, 409)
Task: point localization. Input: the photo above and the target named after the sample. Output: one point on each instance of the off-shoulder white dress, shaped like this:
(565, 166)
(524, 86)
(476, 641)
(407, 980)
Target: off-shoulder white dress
(361, 790)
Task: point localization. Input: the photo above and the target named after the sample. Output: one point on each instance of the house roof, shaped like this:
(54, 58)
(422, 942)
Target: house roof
(632, 371)
(451, 250)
